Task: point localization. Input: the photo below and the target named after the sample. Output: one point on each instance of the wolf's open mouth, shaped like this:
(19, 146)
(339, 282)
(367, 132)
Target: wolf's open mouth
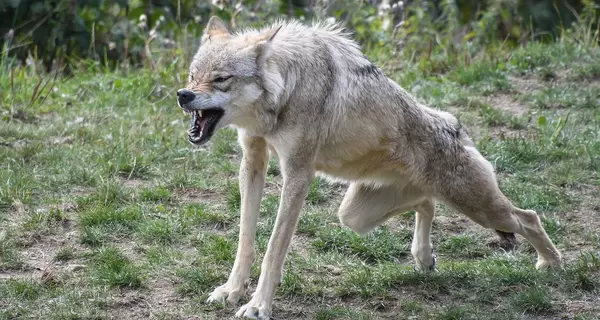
(203, 125)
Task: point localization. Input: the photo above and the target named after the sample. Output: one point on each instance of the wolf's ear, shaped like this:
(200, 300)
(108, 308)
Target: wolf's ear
(263, 45)
(215, 28)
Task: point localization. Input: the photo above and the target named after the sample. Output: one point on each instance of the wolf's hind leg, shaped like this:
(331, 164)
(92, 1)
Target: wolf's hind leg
(501, 215)
(365, 207)
(475, 193)
(531, 228)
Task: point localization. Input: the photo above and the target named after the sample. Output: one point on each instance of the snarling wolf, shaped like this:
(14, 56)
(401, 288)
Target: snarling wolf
(308, 95)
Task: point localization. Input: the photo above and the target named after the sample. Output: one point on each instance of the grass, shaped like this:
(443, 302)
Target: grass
(65, 254)
(380, 245)
(534, 300)
(107, 212)
(113, 268)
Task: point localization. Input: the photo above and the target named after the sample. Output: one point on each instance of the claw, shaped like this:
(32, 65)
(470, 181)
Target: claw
(254, 310)
(433, 258)
(225, 293)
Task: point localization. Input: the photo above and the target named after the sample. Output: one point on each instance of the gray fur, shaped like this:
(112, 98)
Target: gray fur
(309, 96)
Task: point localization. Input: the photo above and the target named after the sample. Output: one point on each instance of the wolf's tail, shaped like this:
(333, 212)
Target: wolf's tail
(508, 240)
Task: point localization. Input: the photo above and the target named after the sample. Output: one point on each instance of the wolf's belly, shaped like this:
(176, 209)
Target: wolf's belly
(374, 168)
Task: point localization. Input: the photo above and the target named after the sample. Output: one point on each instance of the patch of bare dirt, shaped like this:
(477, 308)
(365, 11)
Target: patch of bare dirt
(79, 191)
(507, 103)
(589, 306)
(526, 84)
(583, 224)
(499, 133)
(38, 257)
(561, 77)
(454, 223)
(61, 140)
(38, 248)
(273, 187)
(159, 297)
(503, 133)
(40, 254)
(19, 211)
(566, 77)
(197, 195)
(163, 294)
(136, 183)
(300, 244)
(16, 213)
(16, 143)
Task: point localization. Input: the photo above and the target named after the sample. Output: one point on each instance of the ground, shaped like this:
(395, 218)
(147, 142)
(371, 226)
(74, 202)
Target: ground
(106, 212)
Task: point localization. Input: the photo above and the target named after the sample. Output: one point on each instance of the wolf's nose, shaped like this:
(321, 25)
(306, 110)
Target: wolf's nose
(185, 96)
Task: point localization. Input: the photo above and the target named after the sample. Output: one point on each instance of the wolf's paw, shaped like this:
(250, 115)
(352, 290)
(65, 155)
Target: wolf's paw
(255, 309)
(231, 294)
(548, 264)
(425, 260)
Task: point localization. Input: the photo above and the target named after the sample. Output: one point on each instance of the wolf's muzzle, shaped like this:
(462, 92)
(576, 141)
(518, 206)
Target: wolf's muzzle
(185, 96)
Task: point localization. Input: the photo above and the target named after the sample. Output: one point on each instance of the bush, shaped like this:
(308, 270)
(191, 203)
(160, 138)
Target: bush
(133, 32)
(55, 31)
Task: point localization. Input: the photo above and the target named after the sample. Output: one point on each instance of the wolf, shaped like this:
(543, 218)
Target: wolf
(306, 94)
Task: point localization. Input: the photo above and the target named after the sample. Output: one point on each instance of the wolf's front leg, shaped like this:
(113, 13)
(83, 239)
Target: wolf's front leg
(295, 188)
(253, 169)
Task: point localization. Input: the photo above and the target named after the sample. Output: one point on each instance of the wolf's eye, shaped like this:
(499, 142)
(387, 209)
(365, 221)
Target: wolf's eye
(221, 79)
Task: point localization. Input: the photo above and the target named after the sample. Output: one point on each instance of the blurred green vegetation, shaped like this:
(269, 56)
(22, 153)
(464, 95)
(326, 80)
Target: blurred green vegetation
(59, 33)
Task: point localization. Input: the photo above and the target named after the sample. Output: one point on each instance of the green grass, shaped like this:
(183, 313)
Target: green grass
(110, 216)
(199, 280)
(21, 289)
(65, 253)
(464, 245)
(561, 96)
(340, 313)
(380, 245)
(483, 77)
(534, 300)
(100, 185)
(159, 194)
(111, 267)
(10, 256)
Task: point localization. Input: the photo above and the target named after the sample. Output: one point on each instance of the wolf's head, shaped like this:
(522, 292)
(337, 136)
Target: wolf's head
(225, 80)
